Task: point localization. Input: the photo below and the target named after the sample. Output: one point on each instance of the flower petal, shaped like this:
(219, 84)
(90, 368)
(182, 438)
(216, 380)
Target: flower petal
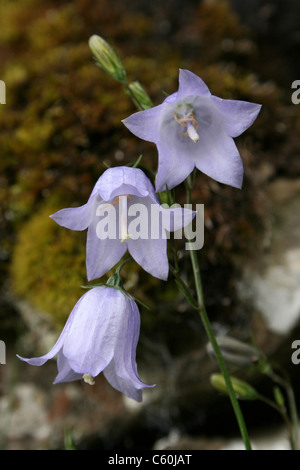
(144, 124)
(75, 218)
(122, 371)
(122, 180)
(237, 115)
(39, 361)
(191, 84)
(103, 254)
(120, 384)
(219, 158)
(65, 373)
(171, 172)
(151, 255)
(176, 218)
(90, 343)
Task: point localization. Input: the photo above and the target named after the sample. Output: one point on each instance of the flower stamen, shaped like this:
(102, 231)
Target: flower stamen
(190, 123)
(123, 218)
(122, 200)
(88, 379)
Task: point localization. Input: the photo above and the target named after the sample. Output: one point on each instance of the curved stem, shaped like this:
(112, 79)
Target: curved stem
(206, 323)
(292, 406)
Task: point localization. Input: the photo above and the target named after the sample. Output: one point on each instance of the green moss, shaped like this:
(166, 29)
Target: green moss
(48, 266)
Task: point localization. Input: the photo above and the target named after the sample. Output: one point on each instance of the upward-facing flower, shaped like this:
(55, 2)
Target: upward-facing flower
(192, 128)
(101, 334)
(119, 193)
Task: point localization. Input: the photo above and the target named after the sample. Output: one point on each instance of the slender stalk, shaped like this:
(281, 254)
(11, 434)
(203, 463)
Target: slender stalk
(135, 100)
(207, 326)
(292, 406)
(283, 415)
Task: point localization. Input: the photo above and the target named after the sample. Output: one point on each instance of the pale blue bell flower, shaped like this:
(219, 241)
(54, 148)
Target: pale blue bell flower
(116, 193)
(192, 128)
(100, 335)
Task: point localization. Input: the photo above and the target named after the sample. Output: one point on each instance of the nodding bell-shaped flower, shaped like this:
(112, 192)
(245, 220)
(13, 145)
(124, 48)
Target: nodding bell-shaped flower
(123, 213)
(100, 335)
(192, 128)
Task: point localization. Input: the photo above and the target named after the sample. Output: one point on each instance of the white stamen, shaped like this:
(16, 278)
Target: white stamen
(88, 379)
(123, 218)
(192, 133)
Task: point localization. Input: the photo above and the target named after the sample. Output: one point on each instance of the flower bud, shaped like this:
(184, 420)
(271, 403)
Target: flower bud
(140, 94)
(107, 58)
(241, 388)
(279, 397)
(235, 352)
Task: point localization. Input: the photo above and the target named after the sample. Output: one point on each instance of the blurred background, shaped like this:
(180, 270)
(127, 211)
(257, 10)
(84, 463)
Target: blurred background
(60, 123)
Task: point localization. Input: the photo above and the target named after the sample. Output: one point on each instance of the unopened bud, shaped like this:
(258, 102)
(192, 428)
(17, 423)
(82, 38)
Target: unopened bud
(107, 58)
(235, 352)
(241, 388)
(140, 94)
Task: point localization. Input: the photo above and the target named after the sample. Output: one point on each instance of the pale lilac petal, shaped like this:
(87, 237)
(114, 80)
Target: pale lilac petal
(173, 166)
(39, 361)
(176, 218)
(103, 254)
(90, 343)
(65, 373)
(120, 384)
(191, 84)
(149, 248)
(75, 218)
(219, 158)
(237, 115)
(151, 255)
(144, 124)
(125, 352)
(122, 180)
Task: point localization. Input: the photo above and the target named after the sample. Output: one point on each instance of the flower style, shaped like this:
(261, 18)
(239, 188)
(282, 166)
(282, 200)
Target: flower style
(116, 194)
(101, 334)
(192, 128)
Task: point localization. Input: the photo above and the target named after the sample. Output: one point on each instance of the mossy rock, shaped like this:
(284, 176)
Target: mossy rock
(48, 264)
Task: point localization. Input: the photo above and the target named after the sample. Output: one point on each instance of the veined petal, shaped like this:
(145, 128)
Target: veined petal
(120, 384)
(176, 218)
(237, 115)
(122, 180)
(191, 84)
(144, 124)
(103, 254)
(125, 351)
(65, 373)
(173, 165)
(151, 255)
(90, 343)
(122, 371)
(39, 361)
(219, 158)
(75, 218)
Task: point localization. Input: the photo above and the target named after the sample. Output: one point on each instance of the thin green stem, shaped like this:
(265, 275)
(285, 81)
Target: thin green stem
(282, 414)
(207, 326)
(135, 100)
(292, 405)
